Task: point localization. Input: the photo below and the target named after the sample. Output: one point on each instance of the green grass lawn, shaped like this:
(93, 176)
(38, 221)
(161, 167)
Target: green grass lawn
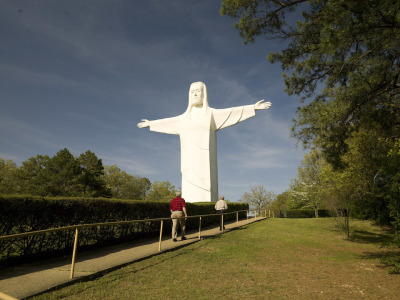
(274, 259)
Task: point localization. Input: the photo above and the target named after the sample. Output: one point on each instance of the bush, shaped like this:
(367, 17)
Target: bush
(307, 213)
(20, 214)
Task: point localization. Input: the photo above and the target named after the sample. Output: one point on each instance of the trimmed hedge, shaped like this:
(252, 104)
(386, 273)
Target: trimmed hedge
(20, 214)
(307, 213)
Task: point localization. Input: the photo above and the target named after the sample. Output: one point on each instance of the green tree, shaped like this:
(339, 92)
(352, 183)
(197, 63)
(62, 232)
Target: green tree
(337, 190)
(63, 175)
(161, 191)
(393, 187)
(113, 177)
(142, 186)
(366, 155)
(125, 186)
(300, 194)
(306, 188)
(281, 204)
(258, 198)
(91, 178)
(342, 57)
(32, 176)
(8, 184)
(343, 60)
(66, 175)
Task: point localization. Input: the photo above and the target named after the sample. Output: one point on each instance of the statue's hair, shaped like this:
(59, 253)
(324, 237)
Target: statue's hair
(205, 98)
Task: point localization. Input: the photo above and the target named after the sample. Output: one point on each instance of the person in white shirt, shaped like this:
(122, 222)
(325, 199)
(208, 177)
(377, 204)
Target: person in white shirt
(221, 207)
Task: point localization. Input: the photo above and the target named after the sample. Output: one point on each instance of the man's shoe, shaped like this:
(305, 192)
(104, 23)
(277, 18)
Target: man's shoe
(183, 238)
(174, 240)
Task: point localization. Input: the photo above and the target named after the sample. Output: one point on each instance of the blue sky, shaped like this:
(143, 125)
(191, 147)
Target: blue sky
(82, 74)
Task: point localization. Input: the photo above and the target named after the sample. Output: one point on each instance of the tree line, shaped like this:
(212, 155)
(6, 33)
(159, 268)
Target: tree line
(82, 176)
(342, 60)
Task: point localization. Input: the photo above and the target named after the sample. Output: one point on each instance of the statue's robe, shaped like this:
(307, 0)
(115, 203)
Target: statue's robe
(199, 147)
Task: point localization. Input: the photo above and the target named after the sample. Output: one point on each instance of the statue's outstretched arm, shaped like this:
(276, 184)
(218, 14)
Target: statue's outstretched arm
(231, 116)
(262, 105)
(167, 125)
(144, 123)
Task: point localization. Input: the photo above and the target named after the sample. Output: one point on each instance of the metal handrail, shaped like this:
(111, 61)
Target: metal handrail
(30, 233)
(80, 226)
(6, 297)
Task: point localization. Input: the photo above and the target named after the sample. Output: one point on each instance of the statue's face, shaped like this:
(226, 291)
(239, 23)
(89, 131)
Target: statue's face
(196, 94)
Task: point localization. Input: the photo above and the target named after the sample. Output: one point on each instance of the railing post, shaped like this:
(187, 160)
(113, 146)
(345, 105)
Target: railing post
(222, 220)
(237, 218)
(161, 228)
(247, 214)
(74, 253)
(200, 228)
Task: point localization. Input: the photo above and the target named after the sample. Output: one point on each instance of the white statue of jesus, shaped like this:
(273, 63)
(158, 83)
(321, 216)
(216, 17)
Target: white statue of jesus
(197, 128)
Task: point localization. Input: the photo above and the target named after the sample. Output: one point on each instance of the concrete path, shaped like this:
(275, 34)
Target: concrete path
(35, 278)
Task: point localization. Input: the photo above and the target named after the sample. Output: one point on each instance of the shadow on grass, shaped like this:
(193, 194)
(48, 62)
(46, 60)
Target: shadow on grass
(389, 256)
(368, 237)
(389, 259)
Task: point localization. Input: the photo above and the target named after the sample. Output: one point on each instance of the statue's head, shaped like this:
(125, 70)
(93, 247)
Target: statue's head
(198, 96)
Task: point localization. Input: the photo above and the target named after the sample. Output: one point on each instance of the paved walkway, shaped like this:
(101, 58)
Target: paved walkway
(32, 279)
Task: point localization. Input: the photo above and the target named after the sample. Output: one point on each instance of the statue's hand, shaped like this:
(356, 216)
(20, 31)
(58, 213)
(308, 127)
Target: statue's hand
(262, 105)
(144, 123)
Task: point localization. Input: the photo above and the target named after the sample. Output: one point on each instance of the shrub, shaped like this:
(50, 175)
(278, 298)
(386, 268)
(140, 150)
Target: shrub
(307, 213)
(20, 214)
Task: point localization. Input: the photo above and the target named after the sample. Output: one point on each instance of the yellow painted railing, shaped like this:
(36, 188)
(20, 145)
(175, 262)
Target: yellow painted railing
(78, 227)
(6, 297)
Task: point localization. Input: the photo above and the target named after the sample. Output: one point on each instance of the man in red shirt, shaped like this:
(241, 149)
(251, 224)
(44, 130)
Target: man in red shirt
(177, 207)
